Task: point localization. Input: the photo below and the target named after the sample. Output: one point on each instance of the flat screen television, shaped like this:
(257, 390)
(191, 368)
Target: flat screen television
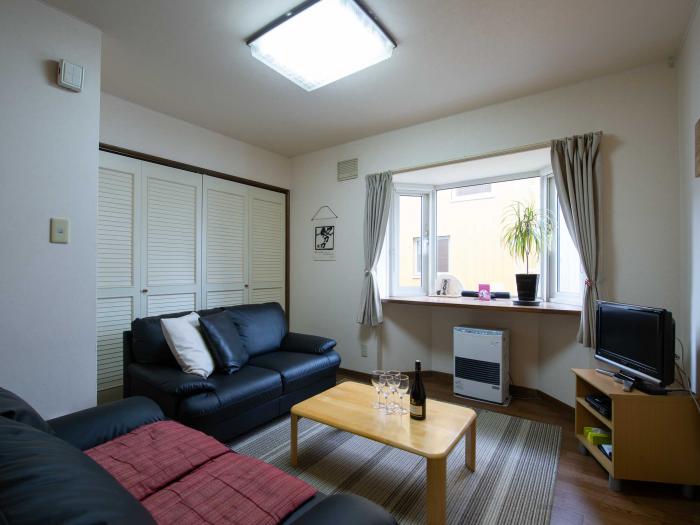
(637, 339)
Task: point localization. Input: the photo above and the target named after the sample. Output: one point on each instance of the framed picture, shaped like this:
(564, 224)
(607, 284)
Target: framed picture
(324, 243)
(325, 238)
(697, 148)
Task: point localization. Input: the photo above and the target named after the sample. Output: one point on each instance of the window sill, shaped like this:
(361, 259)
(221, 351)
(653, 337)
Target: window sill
(505, 305)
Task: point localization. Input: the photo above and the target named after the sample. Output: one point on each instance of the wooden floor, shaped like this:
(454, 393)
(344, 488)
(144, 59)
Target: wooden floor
(581, 494)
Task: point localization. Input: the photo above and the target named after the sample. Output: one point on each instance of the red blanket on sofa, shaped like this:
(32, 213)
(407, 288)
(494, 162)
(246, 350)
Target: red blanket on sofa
(184, 476)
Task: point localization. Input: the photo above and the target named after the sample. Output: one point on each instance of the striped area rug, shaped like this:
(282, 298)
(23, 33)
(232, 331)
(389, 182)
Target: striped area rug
(516, 467)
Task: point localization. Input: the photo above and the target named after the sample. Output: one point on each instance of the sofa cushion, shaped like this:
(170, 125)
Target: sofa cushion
(187, 344)
(96, 425)
(261, 326)
(230, 489)
(148, 342)
(170, 379)
(14, 407)
(152, 456)
(46, 480)
(248, 387)
(224, 342)
(298, 370)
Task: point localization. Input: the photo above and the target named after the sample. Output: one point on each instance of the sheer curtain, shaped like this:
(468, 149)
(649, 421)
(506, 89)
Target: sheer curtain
(377, 204)
(576, 164)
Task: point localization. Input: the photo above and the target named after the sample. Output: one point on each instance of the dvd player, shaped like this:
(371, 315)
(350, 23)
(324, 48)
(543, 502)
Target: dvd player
(602, 404)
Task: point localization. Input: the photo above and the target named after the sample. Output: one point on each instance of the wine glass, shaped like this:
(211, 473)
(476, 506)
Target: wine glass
(392, 384)
(375, 377)
(403, 390)
(386, 388)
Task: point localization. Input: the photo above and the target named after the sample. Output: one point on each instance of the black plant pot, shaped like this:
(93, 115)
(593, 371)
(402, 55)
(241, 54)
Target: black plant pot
(527, 286)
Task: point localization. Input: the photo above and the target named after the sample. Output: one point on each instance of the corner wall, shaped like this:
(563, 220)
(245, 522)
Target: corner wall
(688, 115)
(140, 129)
(637, 111)
(48, 168)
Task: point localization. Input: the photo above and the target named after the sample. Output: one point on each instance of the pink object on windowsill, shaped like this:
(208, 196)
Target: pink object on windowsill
(484, 292)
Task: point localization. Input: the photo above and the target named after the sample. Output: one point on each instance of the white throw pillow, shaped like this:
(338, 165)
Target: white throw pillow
(187, 345)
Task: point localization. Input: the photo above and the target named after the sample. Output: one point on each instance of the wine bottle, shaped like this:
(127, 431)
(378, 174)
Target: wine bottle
(418, 395)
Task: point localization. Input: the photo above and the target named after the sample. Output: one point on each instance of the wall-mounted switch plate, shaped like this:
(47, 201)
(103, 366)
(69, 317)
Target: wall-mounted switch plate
(60, 230)
(70, 76)
(363, 349)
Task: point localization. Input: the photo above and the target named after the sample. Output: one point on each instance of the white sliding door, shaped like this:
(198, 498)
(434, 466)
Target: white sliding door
(267, 246)
(225, 253)
(118, 293)
(171, 240)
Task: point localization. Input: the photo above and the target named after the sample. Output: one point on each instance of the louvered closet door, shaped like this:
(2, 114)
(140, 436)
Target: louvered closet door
(267, 246)
(117, 262)
(225, 234)
(171, 240)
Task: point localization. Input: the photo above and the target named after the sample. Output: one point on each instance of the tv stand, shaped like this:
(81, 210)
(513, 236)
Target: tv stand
(654, 438)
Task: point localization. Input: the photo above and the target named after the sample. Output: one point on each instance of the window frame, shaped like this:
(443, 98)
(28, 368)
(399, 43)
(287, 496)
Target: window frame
(427, 223)
(552, 275)
(547, 292)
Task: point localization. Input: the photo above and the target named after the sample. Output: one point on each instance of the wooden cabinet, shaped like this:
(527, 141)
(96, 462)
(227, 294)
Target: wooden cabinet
(654, 438)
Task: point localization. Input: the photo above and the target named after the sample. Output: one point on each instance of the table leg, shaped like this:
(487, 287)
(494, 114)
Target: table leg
(437, 485)
(470, 447)
(293, 441)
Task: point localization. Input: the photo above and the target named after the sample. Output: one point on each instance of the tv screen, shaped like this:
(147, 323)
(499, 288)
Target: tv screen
(637, 339)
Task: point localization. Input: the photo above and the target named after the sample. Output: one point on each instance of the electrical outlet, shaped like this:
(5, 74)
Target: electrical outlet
(363, 349)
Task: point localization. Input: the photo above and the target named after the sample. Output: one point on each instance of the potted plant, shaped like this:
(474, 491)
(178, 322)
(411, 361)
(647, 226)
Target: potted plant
(526, 232)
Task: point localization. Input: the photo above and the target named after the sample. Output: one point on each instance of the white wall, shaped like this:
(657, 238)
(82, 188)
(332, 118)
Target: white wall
(140, 129)
(48, 167)
(636, 109)
(688, 115)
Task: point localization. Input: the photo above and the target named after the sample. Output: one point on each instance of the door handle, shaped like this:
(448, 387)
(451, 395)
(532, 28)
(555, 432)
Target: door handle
(145, 290)
(245, 286)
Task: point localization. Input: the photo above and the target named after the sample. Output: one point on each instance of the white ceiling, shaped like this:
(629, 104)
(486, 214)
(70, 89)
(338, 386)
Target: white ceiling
(188, 58)
(508, 164)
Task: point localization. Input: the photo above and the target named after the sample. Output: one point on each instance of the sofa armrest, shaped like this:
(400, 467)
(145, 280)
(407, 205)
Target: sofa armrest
(88, 428)
(342, 509)
(170, 380)
(307, 344)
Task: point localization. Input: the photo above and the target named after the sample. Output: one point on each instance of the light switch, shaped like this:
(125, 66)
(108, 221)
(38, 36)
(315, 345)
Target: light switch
(60, 230)
(70, 75)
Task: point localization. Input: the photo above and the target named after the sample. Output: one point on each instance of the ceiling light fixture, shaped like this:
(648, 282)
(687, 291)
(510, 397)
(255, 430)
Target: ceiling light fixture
(321, 41)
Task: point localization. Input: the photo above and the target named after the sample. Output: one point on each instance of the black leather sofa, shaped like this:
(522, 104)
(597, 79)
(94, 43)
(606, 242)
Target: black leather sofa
(46, 478)
(283, 369)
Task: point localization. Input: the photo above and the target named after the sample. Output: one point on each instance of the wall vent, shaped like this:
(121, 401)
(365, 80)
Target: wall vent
(347, 169)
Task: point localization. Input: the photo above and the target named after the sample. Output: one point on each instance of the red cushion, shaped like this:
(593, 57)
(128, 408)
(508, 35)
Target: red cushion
(184, 476)
(231, 489)
(153, 456)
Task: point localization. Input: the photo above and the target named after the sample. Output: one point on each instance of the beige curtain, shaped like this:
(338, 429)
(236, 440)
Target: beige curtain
(576, 164)
(377, 204)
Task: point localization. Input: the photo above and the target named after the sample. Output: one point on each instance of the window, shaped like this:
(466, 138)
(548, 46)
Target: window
(566, 274)
(443, 255)
(458, 230)
(410, 231)
(475, 225)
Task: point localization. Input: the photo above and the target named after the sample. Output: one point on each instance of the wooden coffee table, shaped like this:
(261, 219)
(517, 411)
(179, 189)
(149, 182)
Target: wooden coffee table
(348, 406)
